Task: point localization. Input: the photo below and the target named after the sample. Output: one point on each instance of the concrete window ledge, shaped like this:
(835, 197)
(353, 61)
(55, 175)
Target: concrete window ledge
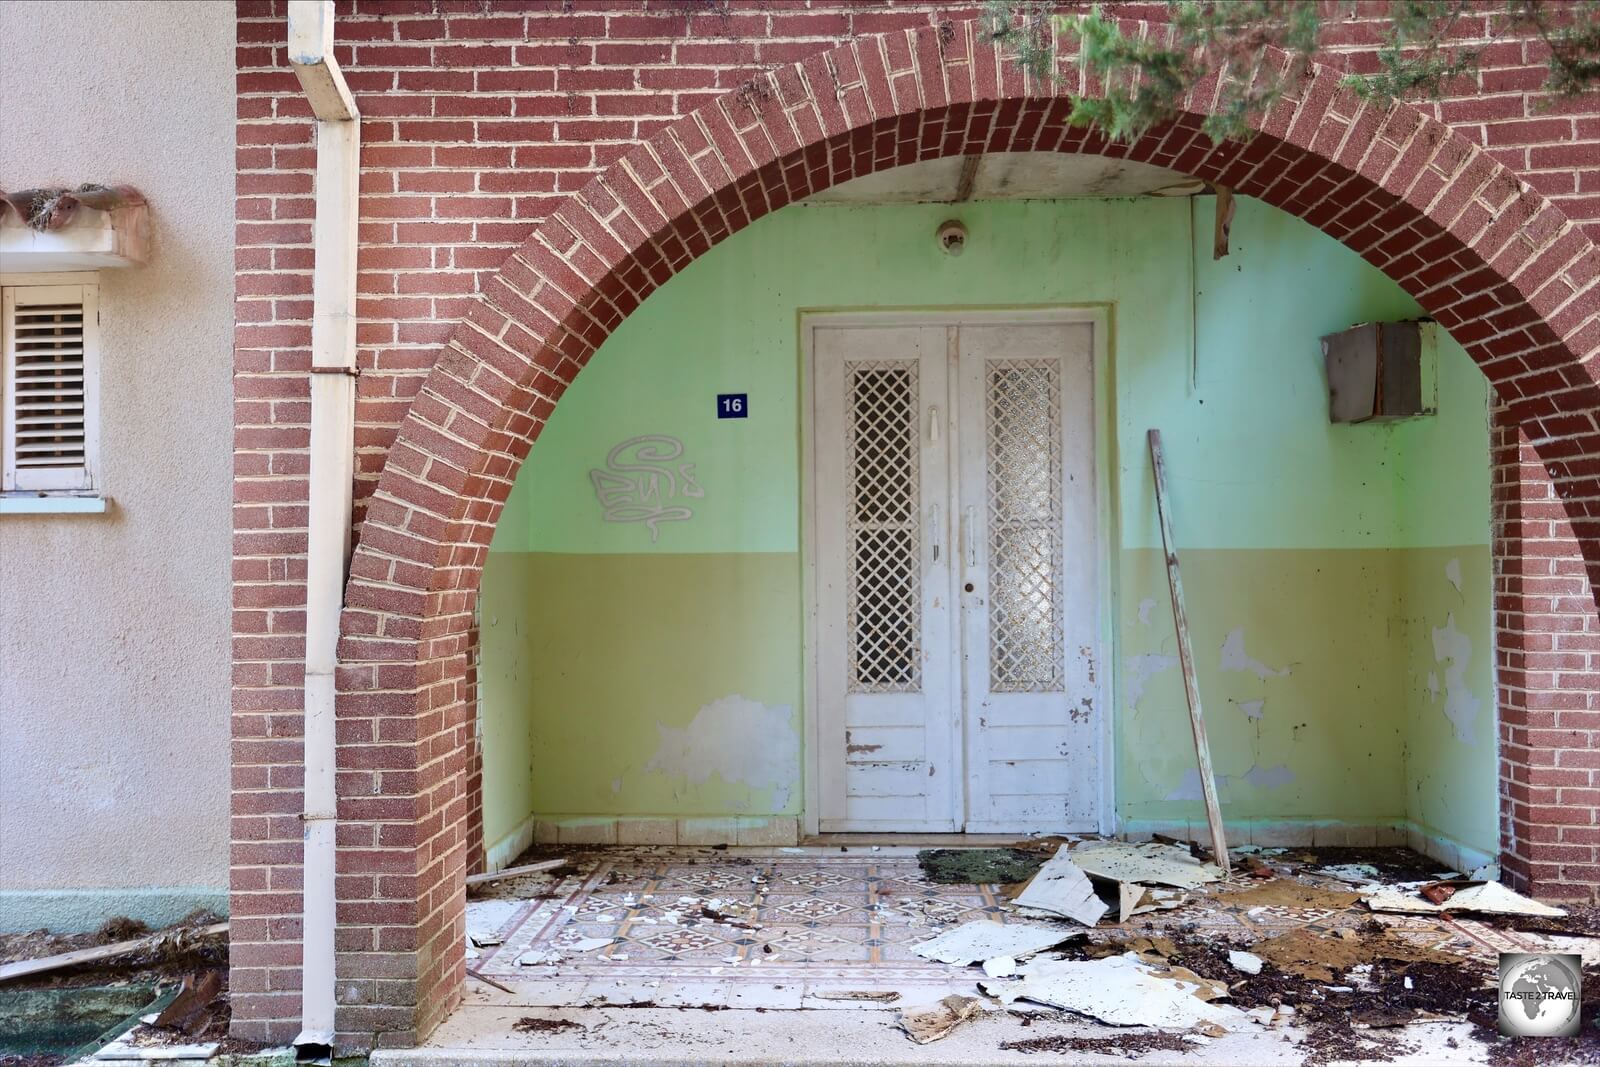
(53, 505)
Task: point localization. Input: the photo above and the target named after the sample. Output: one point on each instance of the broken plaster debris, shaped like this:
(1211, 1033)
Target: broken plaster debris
(1000, 966)
(928, 1024)
(879, 996)
(1120, 990)
(1489, 898)
(1358, 873)
(124, 1049)
(985, 939)
(1062, 889)
(1150, 862)
(485, 918)
(1245, 962)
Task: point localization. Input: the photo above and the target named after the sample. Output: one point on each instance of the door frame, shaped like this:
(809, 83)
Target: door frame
(1100, 317)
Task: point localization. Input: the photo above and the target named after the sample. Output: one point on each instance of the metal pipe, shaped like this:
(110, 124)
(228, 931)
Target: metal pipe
(333, 369)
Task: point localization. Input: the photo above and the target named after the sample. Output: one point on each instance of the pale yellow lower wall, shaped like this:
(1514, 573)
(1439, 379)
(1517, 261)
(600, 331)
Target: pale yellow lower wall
(629, 688)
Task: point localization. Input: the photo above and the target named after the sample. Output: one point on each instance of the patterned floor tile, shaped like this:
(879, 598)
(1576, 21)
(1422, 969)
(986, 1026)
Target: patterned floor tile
(695, 929)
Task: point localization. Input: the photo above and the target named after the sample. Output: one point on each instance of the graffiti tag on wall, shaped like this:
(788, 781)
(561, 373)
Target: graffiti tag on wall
(641, 483)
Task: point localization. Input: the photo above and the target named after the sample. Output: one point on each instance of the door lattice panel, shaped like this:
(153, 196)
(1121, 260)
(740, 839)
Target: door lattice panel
(1024, 460)
(883, 528)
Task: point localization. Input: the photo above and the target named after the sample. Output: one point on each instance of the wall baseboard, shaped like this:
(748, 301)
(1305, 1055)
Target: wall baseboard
(498, 856)
(1286, 833)
(77, 911)
(1448, 851)
(760, 830)
(1273, 833)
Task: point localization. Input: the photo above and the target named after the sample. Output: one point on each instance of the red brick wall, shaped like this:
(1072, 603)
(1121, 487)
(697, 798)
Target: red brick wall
(1547, 660)
(481, 120)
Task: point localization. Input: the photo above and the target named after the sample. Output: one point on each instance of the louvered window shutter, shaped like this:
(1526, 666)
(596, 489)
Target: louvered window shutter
(51, 387)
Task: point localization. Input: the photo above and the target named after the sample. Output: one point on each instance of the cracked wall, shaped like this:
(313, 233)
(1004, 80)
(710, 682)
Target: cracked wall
(1330, 571)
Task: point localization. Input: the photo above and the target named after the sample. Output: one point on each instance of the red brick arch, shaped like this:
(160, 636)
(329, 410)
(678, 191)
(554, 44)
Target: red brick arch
(1505, 271)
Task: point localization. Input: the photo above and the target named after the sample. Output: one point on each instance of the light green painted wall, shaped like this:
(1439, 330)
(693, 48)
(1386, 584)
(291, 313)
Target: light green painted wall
(1320, 543)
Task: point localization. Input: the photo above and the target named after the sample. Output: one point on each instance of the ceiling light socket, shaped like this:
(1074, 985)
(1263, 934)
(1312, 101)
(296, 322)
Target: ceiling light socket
(952, 237)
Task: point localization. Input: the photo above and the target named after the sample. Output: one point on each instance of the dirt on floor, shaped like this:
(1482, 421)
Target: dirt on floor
(182, 953)
(979, 866)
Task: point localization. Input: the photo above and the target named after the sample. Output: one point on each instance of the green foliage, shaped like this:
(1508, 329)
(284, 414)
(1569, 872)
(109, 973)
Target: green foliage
(1426, 48)
(1572, 33)
(1413, 58)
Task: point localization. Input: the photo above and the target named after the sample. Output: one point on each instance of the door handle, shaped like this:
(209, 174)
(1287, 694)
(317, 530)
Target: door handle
(933, 523)
(933, 425)
(966, 538)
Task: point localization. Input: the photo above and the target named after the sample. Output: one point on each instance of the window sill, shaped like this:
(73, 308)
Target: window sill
(52, 505)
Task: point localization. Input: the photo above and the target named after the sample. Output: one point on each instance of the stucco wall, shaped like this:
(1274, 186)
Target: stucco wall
(114, 657)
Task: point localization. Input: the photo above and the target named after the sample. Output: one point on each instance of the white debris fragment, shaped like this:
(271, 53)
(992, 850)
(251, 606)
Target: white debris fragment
(124, 1049)
(1151, 862)
(1489, 898)
(485, 918)
(985, 939)
(590, 944)
(1061, 888)
(928, 1024)
(1358, 873)
(1247, 962)
(1000, 967)
(1120, 990)
(537, 956)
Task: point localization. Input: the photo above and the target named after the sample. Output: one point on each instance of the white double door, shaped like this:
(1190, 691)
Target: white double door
(956, 566)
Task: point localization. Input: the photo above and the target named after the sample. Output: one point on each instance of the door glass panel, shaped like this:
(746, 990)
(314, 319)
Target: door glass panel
(883, 521)
(1023, 418)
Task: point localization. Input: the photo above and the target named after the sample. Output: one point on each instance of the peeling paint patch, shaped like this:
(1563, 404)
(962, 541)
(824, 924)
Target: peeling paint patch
(1189, 787)
(1235, 658)
(1146, 606)
(738, 740)
(1141, 669)
(1454, 649)
(1260, 777)
(1253, 709)
(1433, 685)
(1452, 572)
(1268, 777)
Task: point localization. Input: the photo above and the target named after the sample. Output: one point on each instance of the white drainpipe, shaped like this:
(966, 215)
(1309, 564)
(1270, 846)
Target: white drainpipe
(333, 400)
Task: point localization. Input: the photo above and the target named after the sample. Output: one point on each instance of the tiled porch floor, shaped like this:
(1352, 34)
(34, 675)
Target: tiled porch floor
(809, 921)
(813, 923)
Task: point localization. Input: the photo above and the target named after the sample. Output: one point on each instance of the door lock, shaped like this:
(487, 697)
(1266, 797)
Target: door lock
(968, 587)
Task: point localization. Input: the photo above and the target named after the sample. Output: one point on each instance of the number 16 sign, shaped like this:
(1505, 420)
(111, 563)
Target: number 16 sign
(733, 406)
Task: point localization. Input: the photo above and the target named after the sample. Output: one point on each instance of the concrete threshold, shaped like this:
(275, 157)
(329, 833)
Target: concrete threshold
(489, 1036)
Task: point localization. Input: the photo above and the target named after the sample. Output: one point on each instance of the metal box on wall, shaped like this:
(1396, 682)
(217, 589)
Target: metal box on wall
(1381, 370)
